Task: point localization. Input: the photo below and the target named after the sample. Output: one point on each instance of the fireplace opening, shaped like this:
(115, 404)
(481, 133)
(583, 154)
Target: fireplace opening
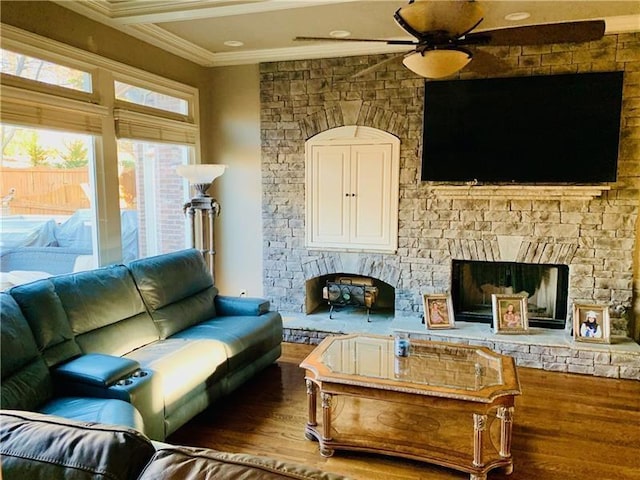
(339, 291)
(546, 286)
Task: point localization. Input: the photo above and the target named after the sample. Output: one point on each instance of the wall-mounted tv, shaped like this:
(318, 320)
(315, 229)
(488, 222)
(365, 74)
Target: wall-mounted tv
(539, 129)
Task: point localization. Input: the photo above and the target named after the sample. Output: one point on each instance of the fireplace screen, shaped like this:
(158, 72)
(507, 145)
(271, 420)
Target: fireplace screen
(545, 286)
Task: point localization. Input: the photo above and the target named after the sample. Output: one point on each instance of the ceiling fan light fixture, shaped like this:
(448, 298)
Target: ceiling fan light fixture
(453, 17)
(437, 63)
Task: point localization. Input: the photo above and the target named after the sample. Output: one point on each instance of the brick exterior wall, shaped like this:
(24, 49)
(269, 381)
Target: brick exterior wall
(596, 237)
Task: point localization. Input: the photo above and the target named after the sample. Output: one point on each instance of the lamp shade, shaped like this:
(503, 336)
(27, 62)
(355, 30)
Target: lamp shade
(455, 17)
(201, 176)
(437, 63)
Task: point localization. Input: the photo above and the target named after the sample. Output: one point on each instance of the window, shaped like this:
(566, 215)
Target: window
(151, 196)
(149, 98)
(66, 113)
(48, 216)
(31, 68)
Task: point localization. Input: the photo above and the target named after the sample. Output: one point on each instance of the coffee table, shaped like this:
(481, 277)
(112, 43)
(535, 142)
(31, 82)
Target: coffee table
(445, 403)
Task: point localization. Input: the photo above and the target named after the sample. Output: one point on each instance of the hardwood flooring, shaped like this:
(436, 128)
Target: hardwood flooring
(566, 427)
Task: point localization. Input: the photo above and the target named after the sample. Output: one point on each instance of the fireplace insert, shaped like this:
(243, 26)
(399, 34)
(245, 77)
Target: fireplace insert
(546, 286)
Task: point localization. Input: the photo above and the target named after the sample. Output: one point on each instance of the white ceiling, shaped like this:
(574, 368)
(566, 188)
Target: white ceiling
(197, 29)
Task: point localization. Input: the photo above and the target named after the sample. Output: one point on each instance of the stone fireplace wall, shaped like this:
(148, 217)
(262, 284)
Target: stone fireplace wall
(594, 236)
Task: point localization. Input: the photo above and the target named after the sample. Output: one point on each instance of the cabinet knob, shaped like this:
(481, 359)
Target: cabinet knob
(353, 194)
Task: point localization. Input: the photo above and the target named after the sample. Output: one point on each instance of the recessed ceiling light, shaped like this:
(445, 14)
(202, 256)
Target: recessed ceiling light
(339, 33)
(515, 16)
(233, 43)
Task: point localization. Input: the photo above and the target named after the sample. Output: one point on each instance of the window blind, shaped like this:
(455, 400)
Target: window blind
(140, 126)
(36, 109)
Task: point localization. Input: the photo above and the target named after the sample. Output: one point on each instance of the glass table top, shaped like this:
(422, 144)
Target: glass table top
(453, 366)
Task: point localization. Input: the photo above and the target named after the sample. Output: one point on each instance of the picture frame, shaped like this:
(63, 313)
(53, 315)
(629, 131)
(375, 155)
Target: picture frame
(591, 323)
(510, 313)
(438, 311)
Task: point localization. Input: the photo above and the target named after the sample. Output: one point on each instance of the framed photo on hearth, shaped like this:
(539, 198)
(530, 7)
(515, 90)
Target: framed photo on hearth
(591, 323)
(510, 313)
(438, 310)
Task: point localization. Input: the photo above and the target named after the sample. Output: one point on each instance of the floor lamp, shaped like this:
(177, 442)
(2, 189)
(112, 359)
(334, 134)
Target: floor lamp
(202, 209)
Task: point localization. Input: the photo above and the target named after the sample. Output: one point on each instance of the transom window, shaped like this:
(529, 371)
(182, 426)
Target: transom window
(150, 98)
(31, 68)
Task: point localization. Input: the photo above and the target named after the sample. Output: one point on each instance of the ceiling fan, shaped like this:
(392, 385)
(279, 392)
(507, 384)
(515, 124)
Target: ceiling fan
(443, 35)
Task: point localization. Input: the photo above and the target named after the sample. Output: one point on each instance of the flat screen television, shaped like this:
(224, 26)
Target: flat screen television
(532, 130)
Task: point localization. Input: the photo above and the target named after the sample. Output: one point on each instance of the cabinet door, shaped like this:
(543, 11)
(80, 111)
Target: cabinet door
(371, 195)
(330, 195)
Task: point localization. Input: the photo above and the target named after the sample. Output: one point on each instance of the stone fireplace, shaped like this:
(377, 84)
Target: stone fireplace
(546, 287)
(342, 290)
(591, 232)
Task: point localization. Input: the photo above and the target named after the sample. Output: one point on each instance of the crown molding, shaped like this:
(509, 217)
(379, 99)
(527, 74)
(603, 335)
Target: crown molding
(303, 53)
(127, 12)
(622, 24)
(134, 11)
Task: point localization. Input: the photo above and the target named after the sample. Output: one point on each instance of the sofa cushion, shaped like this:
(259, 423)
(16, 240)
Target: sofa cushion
(43, 447)
(185, 367)
(39, 301)
(109, 411)
(245, 338)
(178, 463)
(26, 382)
(105, 310)
(177, 288)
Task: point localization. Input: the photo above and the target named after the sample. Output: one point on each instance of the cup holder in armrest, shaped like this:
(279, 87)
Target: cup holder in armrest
(135, 376)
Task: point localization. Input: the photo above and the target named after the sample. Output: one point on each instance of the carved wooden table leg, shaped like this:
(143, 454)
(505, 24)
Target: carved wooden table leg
(479, 426)
(311, 403)
(505, 414)
(326, 424)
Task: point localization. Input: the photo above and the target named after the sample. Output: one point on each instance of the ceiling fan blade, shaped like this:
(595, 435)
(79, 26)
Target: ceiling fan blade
(451, 17)
(485, 63)
(332, 39)
(378, 65)
(569, 32)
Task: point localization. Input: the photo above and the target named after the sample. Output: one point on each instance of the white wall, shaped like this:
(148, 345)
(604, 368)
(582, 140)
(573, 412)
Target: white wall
(234, 140)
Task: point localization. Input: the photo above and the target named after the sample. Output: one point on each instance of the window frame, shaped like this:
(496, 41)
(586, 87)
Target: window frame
(102, 106)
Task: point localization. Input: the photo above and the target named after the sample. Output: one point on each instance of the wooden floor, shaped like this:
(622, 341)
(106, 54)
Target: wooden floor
(565, 427)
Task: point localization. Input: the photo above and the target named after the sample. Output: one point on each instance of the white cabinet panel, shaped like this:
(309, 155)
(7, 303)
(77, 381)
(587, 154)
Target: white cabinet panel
(371, 184)
(330, 182)
(352, 191)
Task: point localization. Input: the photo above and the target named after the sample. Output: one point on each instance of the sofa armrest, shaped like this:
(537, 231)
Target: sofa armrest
(105, 376)
(247, 306)
(96, 369)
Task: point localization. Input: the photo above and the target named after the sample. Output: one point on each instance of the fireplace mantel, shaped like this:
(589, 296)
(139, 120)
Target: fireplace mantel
(521, 192)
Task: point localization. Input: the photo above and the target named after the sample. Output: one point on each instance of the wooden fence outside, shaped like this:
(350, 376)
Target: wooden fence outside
(44, 190)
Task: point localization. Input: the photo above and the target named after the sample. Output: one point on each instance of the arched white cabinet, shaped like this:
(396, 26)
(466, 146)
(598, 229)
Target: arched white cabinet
(352, 185)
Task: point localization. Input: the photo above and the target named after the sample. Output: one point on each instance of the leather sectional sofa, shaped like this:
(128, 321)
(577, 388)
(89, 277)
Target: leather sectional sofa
(36, 446)
(146, 345)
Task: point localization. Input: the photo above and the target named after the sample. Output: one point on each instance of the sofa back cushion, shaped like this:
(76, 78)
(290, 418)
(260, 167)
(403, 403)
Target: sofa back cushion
(43, 310)
(177, 288)
(37, 446)
(105, 310)
(26, 383)
(179, 463)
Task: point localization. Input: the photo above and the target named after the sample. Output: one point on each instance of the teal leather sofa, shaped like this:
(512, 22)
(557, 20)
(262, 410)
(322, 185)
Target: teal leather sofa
(36, 446)
(147, 345)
